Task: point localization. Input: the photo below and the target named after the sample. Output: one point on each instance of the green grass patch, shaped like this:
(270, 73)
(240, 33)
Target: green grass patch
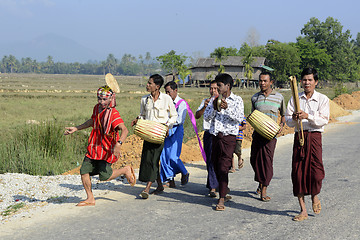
(12, 209)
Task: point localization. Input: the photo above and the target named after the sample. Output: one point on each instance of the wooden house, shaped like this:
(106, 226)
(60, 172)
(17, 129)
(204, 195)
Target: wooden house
(206, 69)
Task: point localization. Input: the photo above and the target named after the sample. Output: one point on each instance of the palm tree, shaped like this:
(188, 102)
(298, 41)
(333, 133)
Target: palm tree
(247, 61)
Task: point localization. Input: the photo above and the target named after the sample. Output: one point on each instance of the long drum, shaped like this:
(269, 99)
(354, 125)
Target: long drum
(150, 131)
(263, 124)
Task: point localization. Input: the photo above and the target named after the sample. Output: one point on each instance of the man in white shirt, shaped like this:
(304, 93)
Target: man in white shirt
(170, 162)
(157, 107)
(307, 166)
(211, 182)
(224, 127)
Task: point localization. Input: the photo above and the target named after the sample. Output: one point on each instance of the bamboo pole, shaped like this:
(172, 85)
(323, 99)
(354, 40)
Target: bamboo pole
(295, 94)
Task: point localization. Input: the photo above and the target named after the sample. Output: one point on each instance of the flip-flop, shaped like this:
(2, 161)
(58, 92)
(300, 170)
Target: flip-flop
(212, 194)
(316, 207)
(144, 195)
(265, 198)
(185, 179)
(227, 198)
(133, 175)
(219, 207)
(157, 192)
(84, 204)
(299, 218)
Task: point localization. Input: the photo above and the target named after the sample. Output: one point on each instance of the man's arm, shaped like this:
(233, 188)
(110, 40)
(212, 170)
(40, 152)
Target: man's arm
(201, 111)
(124, 132)
(70, 130)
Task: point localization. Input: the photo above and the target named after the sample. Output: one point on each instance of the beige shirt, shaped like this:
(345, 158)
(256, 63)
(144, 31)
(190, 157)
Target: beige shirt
(318, 109)
(162, 110)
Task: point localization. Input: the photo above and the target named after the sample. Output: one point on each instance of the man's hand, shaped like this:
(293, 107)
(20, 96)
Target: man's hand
(116, 150)
(133, 122)
(70, 130)
(300, 115)
(206, 102)
(223, 104)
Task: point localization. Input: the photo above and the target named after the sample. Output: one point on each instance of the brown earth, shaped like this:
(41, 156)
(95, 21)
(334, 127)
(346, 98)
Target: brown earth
(347, 101)
(132, 147)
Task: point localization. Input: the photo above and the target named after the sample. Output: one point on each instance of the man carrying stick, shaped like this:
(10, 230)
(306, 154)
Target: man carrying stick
(224, 127)
(262, 150)
(307, 167)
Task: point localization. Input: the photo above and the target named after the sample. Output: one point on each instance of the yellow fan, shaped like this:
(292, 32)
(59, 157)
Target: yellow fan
(112, 83)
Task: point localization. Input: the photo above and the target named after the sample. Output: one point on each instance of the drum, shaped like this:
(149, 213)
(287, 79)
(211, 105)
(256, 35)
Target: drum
(263, 124)
(150, 131)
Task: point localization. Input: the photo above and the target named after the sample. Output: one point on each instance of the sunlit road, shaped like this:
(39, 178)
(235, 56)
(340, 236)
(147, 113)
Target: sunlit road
(186, 213)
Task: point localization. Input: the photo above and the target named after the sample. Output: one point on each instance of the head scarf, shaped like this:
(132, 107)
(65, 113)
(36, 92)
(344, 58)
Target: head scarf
(104, 116)
(106, 92)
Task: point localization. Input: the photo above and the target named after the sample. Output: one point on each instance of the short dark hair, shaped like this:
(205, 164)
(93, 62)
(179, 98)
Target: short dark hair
(308, 71)
(171, 84)
(225, 79)
(266, 73)
(212, 82)
(158, 79)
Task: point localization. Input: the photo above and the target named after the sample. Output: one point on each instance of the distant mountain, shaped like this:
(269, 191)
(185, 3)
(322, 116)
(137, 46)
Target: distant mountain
(62, 49)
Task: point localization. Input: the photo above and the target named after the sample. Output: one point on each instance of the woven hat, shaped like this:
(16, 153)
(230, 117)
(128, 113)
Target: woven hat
(112, 83)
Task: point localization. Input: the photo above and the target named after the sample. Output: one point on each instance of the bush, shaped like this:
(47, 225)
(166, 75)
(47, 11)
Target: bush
(42, 150)
(340, 89)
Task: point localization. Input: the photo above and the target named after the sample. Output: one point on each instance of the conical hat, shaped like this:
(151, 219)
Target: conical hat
(112, 83)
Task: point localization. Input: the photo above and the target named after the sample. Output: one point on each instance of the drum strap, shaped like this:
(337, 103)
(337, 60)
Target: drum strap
(193, 121)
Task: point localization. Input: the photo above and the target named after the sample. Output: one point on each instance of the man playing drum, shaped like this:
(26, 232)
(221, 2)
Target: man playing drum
(224, 127)
(262, 150)
(160, 108)
(307, 167)
(104, 144)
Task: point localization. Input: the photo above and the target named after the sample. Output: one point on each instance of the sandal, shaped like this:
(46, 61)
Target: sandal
(212, 194)
(220, 207)
(316, 207)
(265, 198)
(227, 198)
(258, 191)
(299, 218)
(144, 195)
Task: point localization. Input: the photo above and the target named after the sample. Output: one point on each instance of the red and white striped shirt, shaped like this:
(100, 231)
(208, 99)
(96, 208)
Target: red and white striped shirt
(101, 145)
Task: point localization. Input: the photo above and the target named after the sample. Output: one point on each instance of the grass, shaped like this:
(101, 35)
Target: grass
(36, 108)
(12, 209)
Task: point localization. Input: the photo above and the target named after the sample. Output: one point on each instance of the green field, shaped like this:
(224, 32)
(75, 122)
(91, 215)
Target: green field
(55, 101)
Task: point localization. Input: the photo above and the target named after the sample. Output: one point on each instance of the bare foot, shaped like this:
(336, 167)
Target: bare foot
(86, 203)
(130, 175)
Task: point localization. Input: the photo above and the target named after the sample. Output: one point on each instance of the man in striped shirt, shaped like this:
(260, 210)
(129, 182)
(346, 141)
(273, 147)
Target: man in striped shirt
(262, 150)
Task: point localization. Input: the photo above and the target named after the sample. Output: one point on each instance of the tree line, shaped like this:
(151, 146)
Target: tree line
(127, 65)
(322, 45)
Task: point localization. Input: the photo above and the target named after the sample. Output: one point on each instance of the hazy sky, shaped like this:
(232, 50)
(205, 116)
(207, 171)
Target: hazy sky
(158, 26)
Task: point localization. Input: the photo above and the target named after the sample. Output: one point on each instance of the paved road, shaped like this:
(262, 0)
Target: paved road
(185, 213)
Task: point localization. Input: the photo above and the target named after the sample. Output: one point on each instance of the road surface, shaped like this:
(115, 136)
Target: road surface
(186, 213)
